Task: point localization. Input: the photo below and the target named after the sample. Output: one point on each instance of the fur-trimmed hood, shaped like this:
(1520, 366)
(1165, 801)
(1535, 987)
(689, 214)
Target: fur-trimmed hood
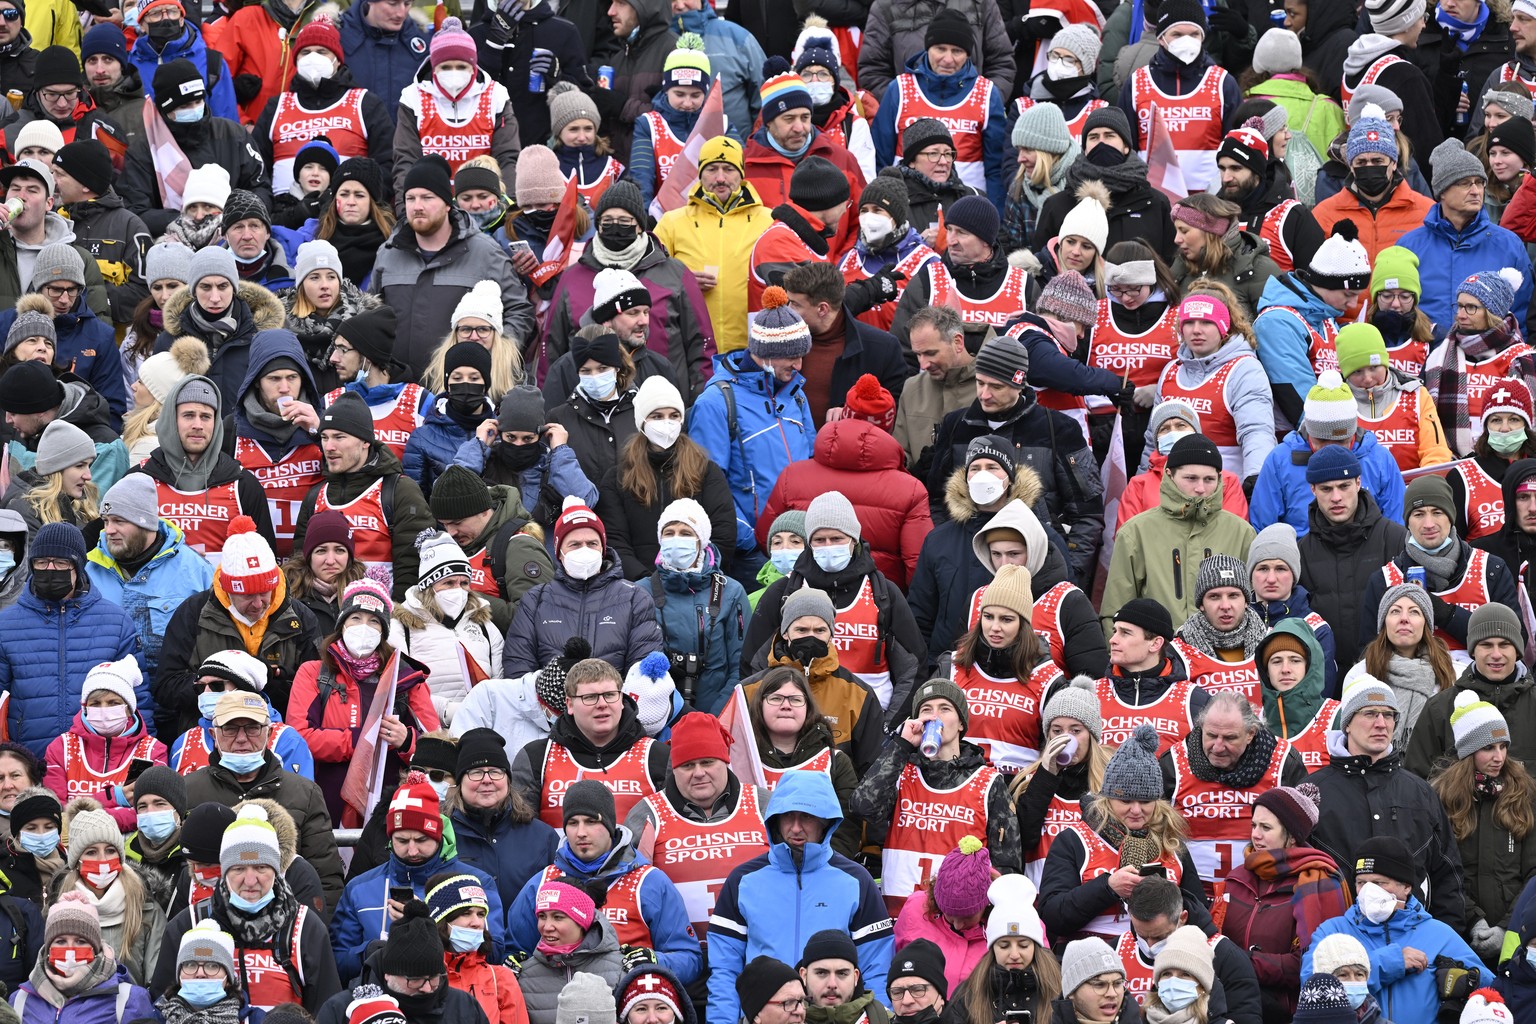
(957, 497)
(420, 609)
(282, 823)
(266, 310)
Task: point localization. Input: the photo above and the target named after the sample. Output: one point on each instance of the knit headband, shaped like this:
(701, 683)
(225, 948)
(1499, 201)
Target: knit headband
(1134, 273)
(1209, 223)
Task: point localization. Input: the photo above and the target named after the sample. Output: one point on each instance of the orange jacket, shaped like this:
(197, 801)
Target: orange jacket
(495, 987)
(1404, 210)
(253, 44)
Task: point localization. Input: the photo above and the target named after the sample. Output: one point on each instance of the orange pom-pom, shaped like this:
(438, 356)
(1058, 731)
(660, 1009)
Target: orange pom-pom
(242, 524)
(774, 296)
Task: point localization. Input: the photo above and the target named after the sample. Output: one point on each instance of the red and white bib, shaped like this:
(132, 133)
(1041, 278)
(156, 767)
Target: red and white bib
(1193, 122)
(285, 483)
(1076, 124)
(1170, 715)
(1484, 501)
(884, 314)
(860, 649)
(1217, 676)
(1397, 428)
(666, 147)
(1219, 818)
(1104, 859)
(204, 516)
(1372, 73)
(371, 537)
(293, 128)
(197, 748)
(1005, 714)
(1311, 741)
(697, 857)
(821, 761)
(629, 778)
(925, 826)
(81, 779)
(1139, 358)
(457, 143)
(1060, 815)
(394, 422)
(994, 310)
(966, 120)
(1470, 592)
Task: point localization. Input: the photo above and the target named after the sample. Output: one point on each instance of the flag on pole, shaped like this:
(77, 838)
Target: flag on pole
(561, 247)
(364, 781)
(745, 760)
(171, 164)
(470, 670)
(1163, 169)
(685, 171)
(941, 237)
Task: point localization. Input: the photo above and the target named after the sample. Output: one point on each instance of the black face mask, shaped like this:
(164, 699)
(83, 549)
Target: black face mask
(1105, 155)
(924, 1016)
(1393, 324)
(466, 398)
(541, 219)
(1064, 88)
(618, 236)
(1372, 180)
(517, 457)
(162, 32)
(423, 1004)
(52, 584)
(807, 649)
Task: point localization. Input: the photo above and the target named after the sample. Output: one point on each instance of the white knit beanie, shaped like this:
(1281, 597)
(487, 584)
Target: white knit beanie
(1087, 220)
(656, 392)
(1013, 910)
(482, 301)
(691, 514)
(119, 677)
(208, 183)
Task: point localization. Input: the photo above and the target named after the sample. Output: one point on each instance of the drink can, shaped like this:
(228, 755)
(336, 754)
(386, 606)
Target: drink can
(13, 207)
(933, 737)
(15, 96)
(535, 81)
(605, 77)
(1416, 574)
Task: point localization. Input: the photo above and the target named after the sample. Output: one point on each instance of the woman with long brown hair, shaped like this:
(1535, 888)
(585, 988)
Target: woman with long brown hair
(132, 923)
(1018, 972)
(793, 735)
(355, 221)
(1211, 244)
(1407, 654)
(327, 566)
(1487, 795)
(655, 467)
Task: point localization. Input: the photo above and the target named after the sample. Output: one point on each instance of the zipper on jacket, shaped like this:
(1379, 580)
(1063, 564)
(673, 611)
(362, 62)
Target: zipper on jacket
(1178, 576)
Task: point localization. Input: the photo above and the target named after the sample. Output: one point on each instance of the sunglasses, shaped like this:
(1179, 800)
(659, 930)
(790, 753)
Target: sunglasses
(10, 14)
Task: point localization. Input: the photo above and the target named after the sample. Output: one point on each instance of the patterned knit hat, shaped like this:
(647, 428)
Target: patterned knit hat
(1339, 950)
(574, 903)
(1329, 412)
(688, 65)
(73, 913)
(440, 558)
(1222, 571)
(1371, 133)
(650, 983)
(372, 1005)
(1323, 1001)
(247, 564)
(34, 319)
(1295, 807)
(1496, 291)
(366, 595)
(1246, 144)
(550, 686)
(1451, 163)
(1513, 100)
(1042, 127)
(1511, 396)
(1365, 691)
(1340, 262)
(575, 515)
(1078, 701)
(614, 291)
(451, 42)
(250, 840)
(119, 677)
(245, 205)
(960, 887)
(1475, 723)
(206, 943)
(1389, 17)
(777, 332)
(1133, 772)
(88, 826)
(415, 806)
(815, 47)
(1068, 297)
(454, 894)
(889, 193)
(782, 90)
(1005, 359)
(868, 400)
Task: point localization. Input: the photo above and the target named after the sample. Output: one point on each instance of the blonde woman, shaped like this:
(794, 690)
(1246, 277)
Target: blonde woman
(132, 923)
(477, 318)
(187, 357)
(320, 301)
(1182, 977)
(1048, 794)
(1046, 151)
(58, 489)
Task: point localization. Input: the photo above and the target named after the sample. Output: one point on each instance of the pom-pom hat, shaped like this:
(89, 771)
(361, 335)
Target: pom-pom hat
(960, 886)
(1476, 724)
(415, 806)
(1133, 772)
(1495, 290)
(777, 332)
(247, 564)
(1341, 262)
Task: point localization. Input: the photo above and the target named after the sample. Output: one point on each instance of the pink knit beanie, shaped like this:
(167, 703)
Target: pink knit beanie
(960, 888)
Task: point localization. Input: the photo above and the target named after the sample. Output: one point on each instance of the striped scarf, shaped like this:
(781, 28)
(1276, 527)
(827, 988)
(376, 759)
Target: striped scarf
(1318, 891)
(1445, 375)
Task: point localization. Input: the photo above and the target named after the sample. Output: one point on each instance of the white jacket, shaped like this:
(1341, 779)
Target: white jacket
(437, 647)
(510, 706)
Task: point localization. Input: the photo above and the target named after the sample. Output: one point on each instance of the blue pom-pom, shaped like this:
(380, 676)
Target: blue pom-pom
(775, 65)
(655, 665)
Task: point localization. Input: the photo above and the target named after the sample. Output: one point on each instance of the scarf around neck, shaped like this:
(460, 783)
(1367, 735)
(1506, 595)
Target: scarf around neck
(1464, 32)
(1249, 768)
(1440, 568)
(1245, 636)
(176, 1010)
(57, 991)
(110, 905)
(623, 259)
(217, 328)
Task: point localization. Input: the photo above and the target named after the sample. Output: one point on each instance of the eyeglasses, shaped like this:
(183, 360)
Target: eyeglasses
(341, 348)
(486, 331)
(1106, 986)
(901, 992)
(789, 1005)
(68, 291)
(428, 984)
(816, 75)
(937, 155)
(201, 970)
(235, 731)
(1373, 714)
(215, 686)
(1469, 307)
(591, 700)
(1395, 298)
(52, 563)
(1125, 291)
(433, 774)
(616, 222)
(481, 774)
(780, 700)
(60, 95)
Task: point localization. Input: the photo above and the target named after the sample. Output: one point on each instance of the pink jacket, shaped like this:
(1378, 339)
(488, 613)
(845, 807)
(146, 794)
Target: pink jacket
(961, 952)
(106, 758)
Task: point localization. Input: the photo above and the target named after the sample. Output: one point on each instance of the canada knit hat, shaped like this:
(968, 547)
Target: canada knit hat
(1451, 163)
(414, 948)
(1494, 289)
(1078, 701)
(960, 885)
(1428, 491)
(1296, 807)
(889, 193)
(1386, 855)
(567, 103)
(1067, 297)
(1277, 540)
(818, 184)
(1133, 772)
(1042, 127)
(63, 445)
(440, 558)
(73, 913)
(1365, 691)
(1390, 17)
(950, 27)
(1011, 588)
(539, 180)
(1005, 359)
(977, 215)
(1187, 950)
(759, 981)
(940, 688)
(815, 603)
(58, 261)
(921, 959)
(831, 510)
(1086, 959)
(1493, 621)
(1278, 52)
(1475, 723)
(586, 999)
(1323, 1001)
(776, 331)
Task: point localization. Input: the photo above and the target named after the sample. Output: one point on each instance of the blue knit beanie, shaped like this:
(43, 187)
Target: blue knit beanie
(1495, 290)
(59, 540)
(1371, 134)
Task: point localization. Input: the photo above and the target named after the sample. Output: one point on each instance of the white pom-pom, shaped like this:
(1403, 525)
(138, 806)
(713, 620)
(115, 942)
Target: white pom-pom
(1465, 699)
(1330, 380)
(1373, 110)
(252, 812)
(570, 502)
(1514, 278)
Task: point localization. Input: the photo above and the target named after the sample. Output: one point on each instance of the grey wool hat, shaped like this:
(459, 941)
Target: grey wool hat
(808, 601)
(1133, 772)
(832, 511)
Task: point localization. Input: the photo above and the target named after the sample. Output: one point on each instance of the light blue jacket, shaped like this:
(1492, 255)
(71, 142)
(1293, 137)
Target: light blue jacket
(1285, 346)
(1448, 257)
(154, 593)
(1282, 494)
(190, 47)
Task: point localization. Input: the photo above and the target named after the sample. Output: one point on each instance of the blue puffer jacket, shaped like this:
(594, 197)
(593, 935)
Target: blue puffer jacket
(737, 58)
(770, 905)
(946, 91)
(49, 647)
(1448, 257)
(661, 905)
(557, 467)
(1406, 997)
(773, 429)
(686, 615)
(93, 1006)
(1285, 347)
(615, 616)
(360, 916)
(384, 63)
(88, 348)
(512, 854)
(155, 591)
(1282, 494)
(221, 93)
(434, 444)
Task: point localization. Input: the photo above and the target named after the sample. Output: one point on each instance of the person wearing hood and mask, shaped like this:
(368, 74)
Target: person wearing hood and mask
(1257, 181)
(77, 976)
(1171, 421)
(887, 255)
(1389, 402)
(905, 776)
(1275, 575)
(201, 133)
(13, 549)
(1401, 938)
(362, 357)
(453, 418)
(1477, 482)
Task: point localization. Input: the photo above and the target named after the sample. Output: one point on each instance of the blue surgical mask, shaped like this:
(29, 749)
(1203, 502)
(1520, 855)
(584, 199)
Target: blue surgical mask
(600, 385)
(465, 940)
(1439, 549)
(39, 844)
(1356, 991)
(188, 115)
(679, 552)
(7, 560)
(206, 702)
(243, 764)
(1530, 954)
(833, 557)
(250, 906)
(157, 826)
(1177, 993)
(784, 559)
(1167, 441)
(200, 993)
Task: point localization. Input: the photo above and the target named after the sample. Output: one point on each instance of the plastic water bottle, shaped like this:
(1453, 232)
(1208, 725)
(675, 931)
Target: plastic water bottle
(1461, 114)
(1068, 752)
(933, 737)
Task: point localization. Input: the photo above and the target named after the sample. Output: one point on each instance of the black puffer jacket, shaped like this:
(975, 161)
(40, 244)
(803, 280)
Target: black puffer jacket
(1330, 29)
(116, 238)
(213, 140)
(617, 617)
(1337, 560)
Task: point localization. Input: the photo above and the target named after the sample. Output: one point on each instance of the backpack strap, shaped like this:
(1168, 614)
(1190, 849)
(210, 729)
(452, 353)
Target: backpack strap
(498, 553)
(387, 499)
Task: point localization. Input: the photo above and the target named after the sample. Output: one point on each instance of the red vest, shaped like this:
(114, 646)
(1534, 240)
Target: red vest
(623, 904)
(1104, 859)
(881, 316)
(1219, 818)
(1169, 715)
(458, 144)
(204, 516)
(370, 530)
(1484, 501)
(1005, 713)
(995, 310)
(1193, 121)
(1075, 125)
(1485, 378)
(966, 120)
(285, 482)
(629, 777)
(81, 779)
(293, 128)
(1470, 592)
(926, 825)
(593, 190)
(1060, 815)
(1217, 676)
(481, 579)
(1208, 398)
(1271, 229)
(1397, 428)
(196, 748)
(393, 423)
(666, 146)
(262, 975)
(1045, 619)
(1372, 73)
(1408, 357)
(1138, 973)
(698, 857)
(1139, 358)
(818, 762)
(860, 648)
(1510, 72)
(1311, 741)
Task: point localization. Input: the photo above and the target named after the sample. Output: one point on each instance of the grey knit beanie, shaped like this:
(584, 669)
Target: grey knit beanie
(212, 261)
(1413, 592)
(586, 999)
(1222, 571)
(1079, 702)
(807, 601)
(1085, 960)
(63, 444)
(1133, 772)
(1493, 621)
(1278, 540)
(88, 827)
(34, 319)
(1450, 162)
(167, 261)
(832, 511)
(58, 261)
(1278, 51)
(1365, 691)
(1042, 127)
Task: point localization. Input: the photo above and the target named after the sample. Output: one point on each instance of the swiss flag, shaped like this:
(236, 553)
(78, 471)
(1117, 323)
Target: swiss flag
(1163, 169)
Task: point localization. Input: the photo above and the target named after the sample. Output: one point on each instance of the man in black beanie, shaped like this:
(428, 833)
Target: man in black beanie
(770, 992)
(105, 229)
(487, 523)
(1147, 681)
(33, 398)
(806, 228)
(389, 517)
(916, 982)
(435, 255)
(363, 356)
(829, 969)
(202, 833)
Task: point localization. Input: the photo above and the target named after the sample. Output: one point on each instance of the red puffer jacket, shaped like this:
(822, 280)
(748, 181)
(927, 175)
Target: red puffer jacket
(866, 464)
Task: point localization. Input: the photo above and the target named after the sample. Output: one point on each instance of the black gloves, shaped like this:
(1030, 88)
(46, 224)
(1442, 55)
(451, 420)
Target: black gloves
(634, 956)
(1229, 23)
(886, 286)
(1443, 609)
(1248, 483)
(246, 88)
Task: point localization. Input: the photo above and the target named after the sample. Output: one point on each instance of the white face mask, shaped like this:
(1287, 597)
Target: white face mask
(985, 488)
(453, 82)
(361, 640)
(582, 563)
(1185, 49)
(821, 92)
(662, 433)
(314, 67)
(876, 227)
(1166, 442)
(1375, 903)
(1059, 68)
(452, 602)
